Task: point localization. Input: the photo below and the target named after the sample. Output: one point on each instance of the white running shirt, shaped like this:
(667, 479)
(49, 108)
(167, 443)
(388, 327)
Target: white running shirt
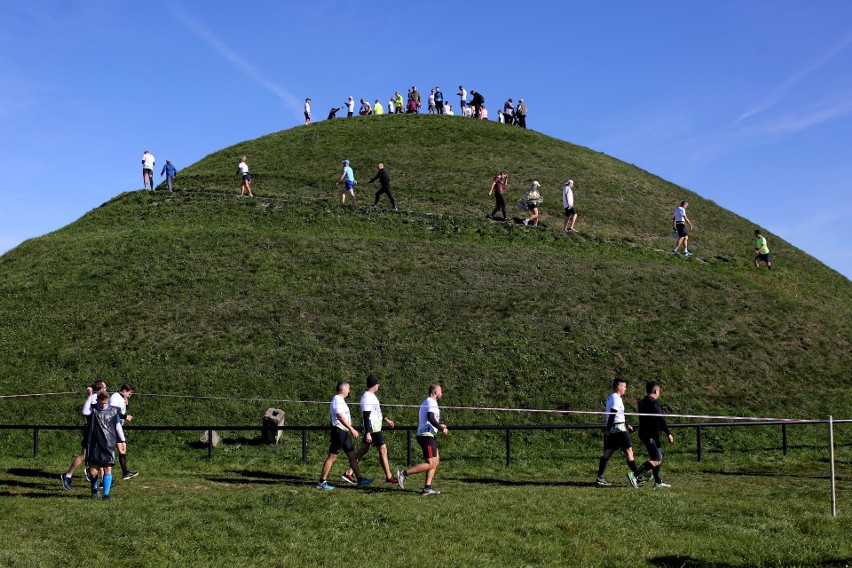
(339, 406)
(679, 214)
(148, 161)
(425, 427)
(370, 403)
(567, 197)
(614, 402)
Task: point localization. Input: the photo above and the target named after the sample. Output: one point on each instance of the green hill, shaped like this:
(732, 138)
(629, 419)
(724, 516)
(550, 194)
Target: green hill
(202, 293)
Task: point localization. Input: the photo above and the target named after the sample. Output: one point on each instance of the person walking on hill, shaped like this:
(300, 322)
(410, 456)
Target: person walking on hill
(170, 172)
(341, 428)
(498, 186)
(508, 112)
(533, 199)
(439, 100)
(350, 107)
(384, 181)
(243, 170)
(91, 398)
(617, 435)
(348, 177)
(761, 249)
(650, 430)
(148, 163)
(307, 111)
(427, 429)
(476, 100)
(521, 114)
(373, 419)
(120, 400)
(568, 204)
(679, 221)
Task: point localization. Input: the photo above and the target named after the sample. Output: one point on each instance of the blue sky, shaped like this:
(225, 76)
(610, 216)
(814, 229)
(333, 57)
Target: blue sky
(747, 103)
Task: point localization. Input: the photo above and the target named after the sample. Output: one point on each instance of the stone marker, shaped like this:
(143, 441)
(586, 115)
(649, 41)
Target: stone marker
(216, 439)
(273, 417)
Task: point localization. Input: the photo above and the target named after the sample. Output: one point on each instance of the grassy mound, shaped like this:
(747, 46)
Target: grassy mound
(202, 293)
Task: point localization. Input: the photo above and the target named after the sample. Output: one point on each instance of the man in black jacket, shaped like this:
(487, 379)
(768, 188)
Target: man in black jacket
(384, 180)
(477, 101)
(650, 429)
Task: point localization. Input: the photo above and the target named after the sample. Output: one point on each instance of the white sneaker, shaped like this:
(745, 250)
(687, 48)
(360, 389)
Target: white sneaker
(661, 485)
(687, 253)
(400, 478)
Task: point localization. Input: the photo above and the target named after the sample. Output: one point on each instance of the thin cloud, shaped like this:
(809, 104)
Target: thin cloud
(200, 30)
(792, 124)
(781, 90)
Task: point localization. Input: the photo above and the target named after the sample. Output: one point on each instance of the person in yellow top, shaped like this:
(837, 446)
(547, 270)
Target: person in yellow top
(761, 249)
(378, 108)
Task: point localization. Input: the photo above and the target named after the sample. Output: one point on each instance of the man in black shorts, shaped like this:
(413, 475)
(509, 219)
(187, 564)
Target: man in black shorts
(428, 427)
(91, 398)
(650, 429)
(617, 435)
(341, 428)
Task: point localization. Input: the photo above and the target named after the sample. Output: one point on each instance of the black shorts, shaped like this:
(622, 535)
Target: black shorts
(308, 115)
(84, 443)
(764, 257)
(148, 171)
(618, 441)
(681, 229)
(378, 439)
(429, 445)
(570, 211)
(340, 440)
(654, 447)
(247, 177)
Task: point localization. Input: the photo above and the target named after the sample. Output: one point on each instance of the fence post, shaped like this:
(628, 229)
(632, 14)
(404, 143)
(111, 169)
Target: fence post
(408, 447)
(698, 441)
(784, 438)
(508, 447)
(304, 445)
(210, 444)
(831, 460)
(35, 442)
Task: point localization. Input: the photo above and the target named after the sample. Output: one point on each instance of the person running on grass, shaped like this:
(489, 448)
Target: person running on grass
(348, 177)
(341, 428)
(104, 432)
(427, 430)
(119, 400)
(617, 435)
(568, 204)
(761, 249)
(91, 398)
(650, 429)
(373, 418)
(679, 220)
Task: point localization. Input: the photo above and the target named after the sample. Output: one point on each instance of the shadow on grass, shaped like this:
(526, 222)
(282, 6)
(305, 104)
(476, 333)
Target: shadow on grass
(30, 495)
(689, 562)
(32, 472)
(524, 483)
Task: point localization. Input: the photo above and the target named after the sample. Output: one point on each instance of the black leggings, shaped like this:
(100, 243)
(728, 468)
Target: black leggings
(385, 190)
(501, 204)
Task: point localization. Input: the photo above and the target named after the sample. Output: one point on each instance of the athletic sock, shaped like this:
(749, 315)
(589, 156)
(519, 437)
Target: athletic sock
(122, 459)
(656, 471)
(602, 466)
(632, 465)
(107, 483)
(644, 467)
(95, 483)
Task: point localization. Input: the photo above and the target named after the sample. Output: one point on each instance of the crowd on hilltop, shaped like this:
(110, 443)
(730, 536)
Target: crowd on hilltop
(511, 113)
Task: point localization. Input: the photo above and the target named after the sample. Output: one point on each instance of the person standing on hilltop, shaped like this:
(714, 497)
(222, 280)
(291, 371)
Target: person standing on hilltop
(521, 114)
(378, 108)
(147, 169)
(679, 220)
(761, 249)
(498, 186)
(476, 100)
(307, 111)
(348, 177)
(430, 105)
(462, 100)
(384, 181)
(439, 100)
(350, 107)
(243, 170)
(414, 101)
(399, 104)
(508, 112)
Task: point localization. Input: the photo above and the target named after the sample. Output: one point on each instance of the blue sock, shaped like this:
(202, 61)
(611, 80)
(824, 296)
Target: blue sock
(107, 483)
(95, 483)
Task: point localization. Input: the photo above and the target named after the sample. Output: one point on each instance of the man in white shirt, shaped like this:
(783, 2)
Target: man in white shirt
(341, 428)
(350, 107)
(119, 400)
(678, 224)
(147, 169)
(462, 100)
(617, 435)
(568, 204)
(428, 427)
(373, 419)
(307, 111)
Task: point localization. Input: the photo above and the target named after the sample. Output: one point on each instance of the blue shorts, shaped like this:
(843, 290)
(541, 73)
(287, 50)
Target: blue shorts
(764, 257)
(350, 184)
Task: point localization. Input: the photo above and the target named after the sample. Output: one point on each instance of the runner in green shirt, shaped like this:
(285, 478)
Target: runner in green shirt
(761, 249)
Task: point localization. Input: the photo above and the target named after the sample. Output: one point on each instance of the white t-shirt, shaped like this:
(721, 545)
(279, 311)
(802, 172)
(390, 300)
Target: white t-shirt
(307, 107)
(339, 406)
(118, 401)
(350, 104)
(391, 106)
(148, 161)
(462, 94)
(91, 401)
(425, 427)
(370, 402)
(679, 214)
(243, 167)
(567, 197)
(614, 402)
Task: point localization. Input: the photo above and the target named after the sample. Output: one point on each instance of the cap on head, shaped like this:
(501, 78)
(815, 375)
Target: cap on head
(346, 162)
(372, 381)
(536, 184)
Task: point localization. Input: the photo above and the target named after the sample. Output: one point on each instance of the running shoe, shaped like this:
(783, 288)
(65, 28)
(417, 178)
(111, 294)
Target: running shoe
(324, 485)
(643, 479)
(66, 482)
(349, 478)
(88, 475)
(95, 494)
(687, 253)
(391, 481)
(661, 485)
(602, 482)
(129, 475)
(106, 498)
(430, 491)
(631, 477)
(365, 481)
(400, 478)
